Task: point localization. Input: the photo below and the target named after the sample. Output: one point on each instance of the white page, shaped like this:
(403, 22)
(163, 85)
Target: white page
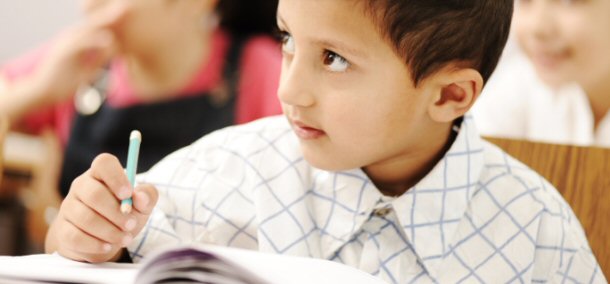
(45, 267)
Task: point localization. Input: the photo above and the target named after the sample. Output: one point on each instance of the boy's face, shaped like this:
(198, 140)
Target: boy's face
(346, 93)
(568, 40)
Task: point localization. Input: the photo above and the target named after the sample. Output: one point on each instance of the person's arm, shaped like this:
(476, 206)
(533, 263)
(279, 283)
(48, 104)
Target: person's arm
(19, 98)
(72, 60)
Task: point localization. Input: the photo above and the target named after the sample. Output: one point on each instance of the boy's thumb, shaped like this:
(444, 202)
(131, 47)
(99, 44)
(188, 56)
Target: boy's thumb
(145, 198)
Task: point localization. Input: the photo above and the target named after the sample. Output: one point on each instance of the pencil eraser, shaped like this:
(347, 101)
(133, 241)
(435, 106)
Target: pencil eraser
(135, 134)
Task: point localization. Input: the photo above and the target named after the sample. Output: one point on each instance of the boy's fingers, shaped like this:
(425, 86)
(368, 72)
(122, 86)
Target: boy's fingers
(74, 239)
(92, 223)
(108, 170)
(96, 196)
(144, 198)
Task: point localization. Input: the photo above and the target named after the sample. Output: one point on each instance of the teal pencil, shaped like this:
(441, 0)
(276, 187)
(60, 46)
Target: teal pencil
(135, 138)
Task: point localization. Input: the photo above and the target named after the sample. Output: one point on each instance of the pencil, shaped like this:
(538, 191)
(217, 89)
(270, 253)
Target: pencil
(135, 138)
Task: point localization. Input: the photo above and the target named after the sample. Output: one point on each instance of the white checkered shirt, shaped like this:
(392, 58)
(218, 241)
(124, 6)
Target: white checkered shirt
(479, 216)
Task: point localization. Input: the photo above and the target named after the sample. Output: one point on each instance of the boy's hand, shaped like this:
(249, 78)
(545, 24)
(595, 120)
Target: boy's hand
(90, 226)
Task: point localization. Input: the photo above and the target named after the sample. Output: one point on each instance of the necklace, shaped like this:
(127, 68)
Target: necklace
(90, 97)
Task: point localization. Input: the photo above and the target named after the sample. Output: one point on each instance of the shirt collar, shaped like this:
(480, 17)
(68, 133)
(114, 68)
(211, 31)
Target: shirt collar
(429, 213)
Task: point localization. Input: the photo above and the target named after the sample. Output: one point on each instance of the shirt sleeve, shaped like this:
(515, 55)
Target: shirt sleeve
(207, 190)
(580, 267)
(562, 251)
(259, 79)
(158, 231)
(192, 183)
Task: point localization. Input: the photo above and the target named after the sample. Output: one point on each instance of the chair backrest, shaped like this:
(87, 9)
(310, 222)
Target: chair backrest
(582, 175)
(3, 131)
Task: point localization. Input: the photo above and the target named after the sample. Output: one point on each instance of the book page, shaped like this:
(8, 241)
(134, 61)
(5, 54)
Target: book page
(214, 264)
(297, 270)
(55, 268)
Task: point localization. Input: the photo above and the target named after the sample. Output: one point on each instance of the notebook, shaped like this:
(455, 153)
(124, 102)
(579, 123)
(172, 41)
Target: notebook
(184, 264)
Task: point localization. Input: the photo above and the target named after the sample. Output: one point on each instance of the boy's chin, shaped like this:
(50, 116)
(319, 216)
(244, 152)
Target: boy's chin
(328, 163)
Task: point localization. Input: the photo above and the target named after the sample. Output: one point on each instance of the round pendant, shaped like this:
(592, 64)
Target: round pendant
(88, 100)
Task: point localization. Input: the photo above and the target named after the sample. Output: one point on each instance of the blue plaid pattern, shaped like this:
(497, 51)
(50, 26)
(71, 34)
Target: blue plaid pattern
(479, 216)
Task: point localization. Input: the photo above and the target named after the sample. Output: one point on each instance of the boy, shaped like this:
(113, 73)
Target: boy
(374, 165)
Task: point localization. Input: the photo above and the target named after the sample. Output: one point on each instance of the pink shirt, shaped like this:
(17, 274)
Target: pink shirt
(260, 64)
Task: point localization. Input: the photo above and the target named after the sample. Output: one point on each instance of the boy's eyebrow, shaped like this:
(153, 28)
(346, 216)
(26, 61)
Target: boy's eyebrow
(334, 45)
(339, 47)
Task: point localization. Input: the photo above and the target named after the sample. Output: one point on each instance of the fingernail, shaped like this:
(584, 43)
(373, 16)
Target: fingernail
(143, 199)
(107, 247)
(130, 224)
(127, 240)
(124, 192)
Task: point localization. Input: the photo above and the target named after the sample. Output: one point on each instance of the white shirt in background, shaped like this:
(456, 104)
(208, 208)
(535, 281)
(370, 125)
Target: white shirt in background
(516, 104)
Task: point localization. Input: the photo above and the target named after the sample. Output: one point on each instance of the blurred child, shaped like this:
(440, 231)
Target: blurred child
(176, 70)
(559, 90)
(374, 165)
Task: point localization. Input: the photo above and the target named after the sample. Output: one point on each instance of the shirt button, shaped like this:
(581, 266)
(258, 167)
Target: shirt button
(382, 212)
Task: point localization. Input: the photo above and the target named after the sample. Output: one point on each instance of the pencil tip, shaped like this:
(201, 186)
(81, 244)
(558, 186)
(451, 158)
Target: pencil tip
(126, 208)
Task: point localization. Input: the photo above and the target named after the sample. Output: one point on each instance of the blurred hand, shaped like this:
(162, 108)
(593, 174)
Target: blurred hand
(90, 226)
(79, 54)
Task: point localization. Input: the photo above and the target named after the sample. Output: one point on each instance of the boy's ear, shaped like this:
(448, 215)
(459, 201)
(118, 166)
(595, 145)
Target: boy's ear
(455, 93)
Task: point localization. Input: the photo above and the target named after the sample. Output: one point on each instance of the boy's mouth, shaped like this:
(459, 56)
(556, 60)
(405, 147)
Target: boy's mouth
(305, 131)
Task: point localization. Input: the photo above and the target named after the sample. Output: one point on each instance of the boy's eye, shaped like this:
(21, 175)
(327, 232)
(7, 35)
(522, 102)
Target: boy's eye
(287, 43)
(335, 62)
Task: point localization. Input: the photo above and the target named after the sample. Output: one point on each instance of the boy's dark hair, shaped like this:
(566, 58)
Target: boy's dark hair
(429, 34)
(248, 17)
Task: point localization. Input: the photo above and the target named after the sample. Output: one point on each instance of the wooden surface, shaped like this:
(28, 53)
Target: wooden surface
(582, 175)
(31, 171)
(3, 131)
(21, 155)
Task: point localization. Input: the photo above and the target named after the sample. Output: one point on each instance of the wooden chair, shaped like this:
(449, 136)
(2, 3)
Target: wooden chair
(31, 171)
(582, 175)
(3, 131)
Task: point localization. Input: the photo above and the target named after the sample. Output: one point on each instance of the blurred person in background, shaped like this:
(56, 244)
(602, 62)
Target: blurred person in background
(175, 70)
(555, 85)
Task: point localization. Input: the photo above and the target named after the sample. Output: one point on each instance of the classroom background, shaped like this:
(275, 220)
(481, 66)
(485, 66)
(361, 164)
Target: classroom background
(579, 171)
(44, 19)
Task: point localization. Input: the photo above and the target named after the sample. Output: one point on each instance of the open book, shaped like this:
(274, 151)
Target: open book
(195, 263)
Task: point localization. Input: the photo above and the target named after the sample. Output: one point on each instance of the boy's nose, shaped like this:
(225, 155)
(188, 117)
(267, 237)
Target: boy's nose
(296, 84)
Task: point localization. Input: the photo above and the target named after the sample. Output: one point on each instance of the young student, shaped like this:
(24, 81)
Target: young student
(376, 163)
(176, 70)
(556, 86)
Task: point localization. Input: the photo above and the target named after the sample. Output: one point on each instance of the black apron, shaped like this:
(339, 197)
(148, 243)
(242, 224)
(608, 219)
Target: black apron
(166, 126)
